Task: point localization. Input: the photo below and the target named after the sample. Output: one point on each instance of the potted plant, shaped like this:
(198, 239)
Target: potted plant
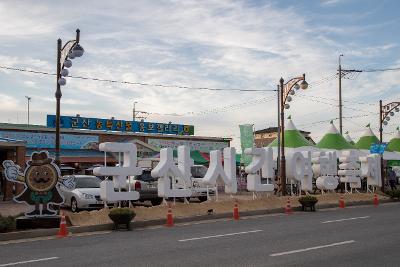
(308, 202)
(121, 216)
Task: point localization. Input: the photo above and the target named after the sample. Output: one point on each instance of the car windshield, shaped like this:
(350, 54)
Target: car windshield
(145, 176)
(88, 182)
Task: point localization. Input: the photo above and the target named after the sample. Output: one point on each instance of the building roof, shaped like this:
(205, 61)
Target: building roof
(43, 128)
(274, 130)
(11, 142)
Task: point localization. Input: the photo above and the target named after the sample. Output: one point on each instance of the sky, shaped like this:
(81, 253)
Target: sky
(215, 44)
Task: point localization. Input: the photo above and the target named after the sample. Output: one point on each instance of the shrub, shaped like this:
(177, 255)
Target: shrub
(7, 223)
(394, 193)
(308, 199)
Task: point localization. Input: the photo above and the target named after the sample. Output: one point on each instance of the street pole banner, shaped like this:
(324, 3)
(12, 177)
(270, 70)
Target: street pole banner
(246, 141)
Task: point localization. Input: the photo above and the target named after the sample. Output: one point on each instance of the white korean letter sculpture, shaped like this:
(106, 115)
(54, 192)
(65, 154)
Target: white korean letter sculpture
(325, 169)
(261, 160)
(349, 169)
(371, 168)
(299, 169)
(168, 173)
(120, 173)
(226, 173)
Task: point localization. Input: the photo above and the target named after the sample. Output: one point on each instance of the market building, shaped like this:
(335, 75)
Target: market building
(14, 150)
(80, 138)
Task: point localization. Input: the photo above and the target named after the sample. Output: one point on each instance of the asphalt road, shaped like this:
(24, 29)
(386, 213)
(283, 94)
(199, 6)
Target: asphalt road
(358, 236)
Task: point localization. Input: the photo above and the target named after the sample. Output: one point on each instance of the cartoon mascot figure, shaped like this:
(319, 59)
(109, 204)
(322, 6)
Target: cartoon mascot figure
(42, 179)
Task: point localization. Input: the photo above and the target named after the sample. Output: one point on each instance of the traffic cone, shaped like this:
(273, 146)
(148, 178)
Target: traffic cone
(341, 202)
(170, 218)
(236, 211)
(63, 227)
(288, 209)
(376, 200)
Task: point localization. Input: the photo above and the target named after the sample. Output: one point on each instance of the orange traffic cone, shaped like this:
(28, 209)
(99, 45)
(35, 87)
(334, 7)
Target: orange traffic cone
(376, 200)
(63, 227)
(236, 211)
(341, 202)
(170, 218)
(288, 209)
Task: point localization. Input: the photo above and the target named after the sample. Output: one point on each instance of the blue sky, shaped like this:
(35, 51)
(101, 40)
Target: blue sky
(224, 44)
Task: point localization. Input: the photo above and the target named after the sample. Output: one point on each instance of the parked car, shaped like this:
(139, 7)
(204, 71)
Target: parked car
(85, 194)
(146, 185)
(198, 172)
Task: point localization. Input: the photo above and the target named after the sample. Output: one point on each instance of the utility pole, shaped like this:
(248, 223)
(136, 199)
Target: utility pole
(134, 111)
(341, 74)
(340, 96)
(28, 98)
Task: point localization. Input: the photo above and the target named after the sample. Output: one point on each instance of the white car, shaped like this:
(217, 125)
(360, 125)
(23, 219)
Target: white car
(85, 194)
(198, 172)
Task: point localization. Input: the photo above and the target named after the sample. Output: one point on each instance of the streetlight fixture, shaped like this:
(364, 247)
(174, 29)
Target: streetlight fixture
(70, 50)
(28, 98)
(287, 88)
(385, 112)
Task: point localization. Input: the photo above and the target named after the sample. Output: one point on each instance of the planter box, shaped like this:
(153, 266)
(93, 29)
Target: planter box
(122, 219)
(308, 205)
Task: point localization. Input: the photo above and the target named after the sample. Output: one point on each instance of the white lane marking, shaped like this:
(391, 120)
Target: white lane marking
(346, 219)
(215, 236)
(312, 248)
(30, 261)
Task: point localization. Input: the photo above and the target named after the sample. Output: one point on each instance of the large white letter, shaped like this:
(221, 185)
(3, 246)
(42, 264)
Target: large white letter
(119, 173)
(299, 168)
(262, 159)
(227, 173)
(166, 171)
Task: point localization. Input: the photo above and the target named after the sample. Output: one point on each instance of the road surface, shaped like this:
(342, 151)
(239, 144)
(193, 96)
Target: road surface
(357, 236)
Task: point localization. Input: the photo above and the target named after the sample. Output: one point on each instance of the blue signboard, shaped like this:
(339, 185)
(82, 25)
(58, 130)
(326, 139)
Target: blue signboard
(78, 122)
(47, 140)
(378, 148)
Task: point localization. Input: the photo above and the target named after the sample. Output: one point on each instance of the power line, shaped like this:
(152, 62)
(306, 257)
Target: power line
(140, 83)
(380, 70)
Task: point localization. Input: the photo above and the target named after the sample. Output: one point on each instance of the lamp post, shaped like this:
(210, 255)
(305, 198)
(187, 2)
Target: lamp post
(70, 50)
(287, 89)
(385, 112)
(28, 98)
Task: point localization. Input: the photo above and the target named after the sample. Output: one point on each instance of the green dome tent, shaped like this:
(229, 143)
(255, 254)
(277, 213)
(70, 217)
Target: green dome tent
(394, 144)
(334, 140)
(294, 140)
(367, 139)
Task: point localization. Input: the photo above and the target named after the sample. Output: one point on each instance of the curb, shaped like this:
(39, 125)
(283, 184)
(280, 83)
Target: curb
(158, 222)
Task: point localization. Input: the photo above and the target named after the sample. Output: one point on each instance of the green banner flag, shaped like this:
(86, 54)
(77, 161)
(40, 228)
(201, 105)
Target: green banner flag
(246, 141)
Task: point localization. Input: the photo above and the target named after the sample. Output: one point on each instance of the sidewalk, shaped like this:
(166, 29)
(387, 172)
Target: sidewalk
(11, 208)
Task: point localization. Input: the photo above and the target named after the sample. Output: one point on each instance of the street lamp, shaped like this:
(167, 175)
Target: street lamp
(385, 112)
(287, 89)
(70, 50)
(28, 98)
